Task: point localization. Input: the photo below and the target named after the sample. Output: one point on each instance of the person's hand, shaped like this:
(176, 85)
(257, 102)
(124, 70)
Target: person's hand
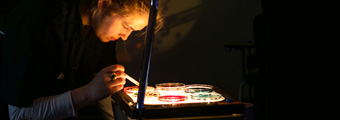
(100, 87)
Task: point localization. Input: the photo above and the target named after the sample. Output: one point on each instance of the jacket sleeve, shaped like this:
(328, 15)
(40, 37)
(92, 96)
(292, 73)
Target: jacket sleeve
(45, 108)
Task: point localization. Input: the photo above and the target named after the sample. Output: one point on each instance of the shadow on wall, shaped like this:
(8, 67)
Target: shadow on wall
(190, 48)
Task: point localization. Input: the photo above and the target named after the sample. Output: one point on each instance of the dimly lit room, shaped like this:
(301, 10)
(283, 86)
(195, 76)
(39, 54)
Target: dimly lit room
(193, 59)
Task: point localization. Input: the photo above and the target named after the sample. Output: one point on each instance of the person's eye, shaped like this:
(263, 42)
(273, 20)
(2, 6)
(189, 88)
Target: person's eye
(126, 27)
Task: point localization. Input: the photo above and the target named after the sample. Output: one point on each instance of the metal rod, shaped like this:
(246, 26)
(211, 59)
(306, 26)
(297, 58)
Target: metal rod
(132, 80)
(146, 59)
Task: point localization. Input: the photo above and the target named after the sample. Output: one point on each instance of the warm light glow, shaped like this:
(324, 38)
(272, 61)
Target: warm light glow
(173, 95)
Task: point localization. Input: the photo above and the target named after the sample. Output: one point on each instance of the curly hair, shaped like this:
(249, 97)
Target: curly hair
(127, 7)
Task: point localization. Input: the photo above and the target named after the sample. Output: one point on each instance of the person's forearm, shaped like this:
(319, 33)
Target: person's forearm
(51, 108)
(80, 98)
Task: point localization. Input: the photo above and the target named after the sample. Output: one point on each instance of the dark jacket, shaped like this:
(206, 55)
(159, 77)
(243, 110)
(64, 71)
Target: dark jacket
(42, 48)
(46, 53)
(96, 56)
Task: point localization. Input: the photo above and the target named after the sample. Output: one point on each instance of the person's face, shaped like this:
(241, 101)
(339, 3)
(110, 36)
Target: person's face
(111, 28)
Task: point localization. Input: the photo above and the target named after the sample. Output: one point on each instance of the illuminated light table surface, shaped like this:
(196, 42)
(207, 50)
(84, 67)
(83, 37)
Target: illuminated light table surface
(225, 107)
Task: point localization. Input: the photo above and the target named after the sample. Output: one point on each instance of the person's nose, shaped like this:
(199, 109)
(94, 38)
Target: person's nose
(125, 35)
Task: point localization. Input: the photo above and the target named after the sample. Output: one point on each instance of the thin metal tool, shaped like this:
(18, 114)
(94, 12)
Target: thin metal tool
(132, 80)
